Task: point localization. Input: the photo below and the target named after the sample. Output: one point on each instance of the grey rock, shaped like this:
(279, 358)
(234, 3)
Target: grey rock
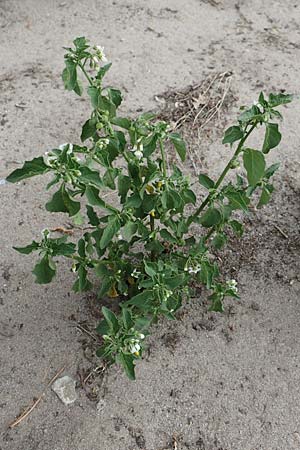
(65, 389)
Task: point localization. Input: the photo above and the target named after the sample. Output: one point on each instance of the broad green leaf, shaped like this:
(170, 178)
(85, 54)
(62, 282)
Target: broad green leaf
(150, 268)
(44, 271)
(232, 134)
(121, 122)
(216, 302)
(69, 75)
(167, 236)
(205, 181)
(279, 99)
(251, 114)
(94, 94)
(92, 195)
(102, 71)
(265, 197)
(63, 248)
(112, 227)
(28, 249)
(90, 177)
(254, 163)
(189, 196)
(82, 284)
(106, 284)
(129, 230)
(111, 319)
(127, 363)
(115, 96)
(272, 137)
(30, 169)
(210, 218)
(238, 200)
(127, 318)
(62, 202)
(219, 240)
(124, 183)
(175, 281)
(92, 216)
(237, 227)
(179, 145)
(89, 129)
(141, 300)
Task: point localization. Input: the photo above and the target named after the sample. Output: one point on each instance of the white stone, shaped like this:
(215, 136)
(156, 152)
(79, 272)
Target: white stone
(65, 389)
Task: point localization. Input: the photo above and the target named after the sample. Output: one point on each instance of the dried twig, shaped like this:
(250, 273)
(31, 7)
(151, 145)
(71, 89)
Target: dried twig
(281, 231)
(81, 328)
(28, 410)
(62, 230)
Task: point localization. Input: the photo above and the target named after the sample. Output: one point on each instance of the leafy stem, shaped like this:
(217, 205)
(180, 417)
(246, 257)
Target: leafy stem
(222, 176)
(163, 157)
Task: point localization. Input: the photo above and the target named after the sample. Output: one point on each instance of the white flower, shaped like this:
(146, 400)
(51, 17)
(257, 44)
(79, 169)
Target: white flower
(119, 237)
(232, 284)
(135, 273)
(138, 154)
(142, 336)
(135, 348)
(100, 53)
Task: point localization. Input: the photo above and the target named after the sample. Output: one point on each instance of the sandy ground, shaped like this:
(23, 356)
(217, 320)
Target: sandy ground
(210, 382)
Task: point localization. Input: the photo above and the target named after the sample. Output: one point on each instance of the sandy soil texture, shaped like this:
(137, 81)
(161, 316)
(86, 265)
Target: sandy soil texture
(210, 381)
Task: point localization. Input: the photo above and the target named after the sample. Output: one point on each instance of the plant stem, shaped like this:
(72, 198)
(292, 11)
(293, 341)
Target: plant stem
(163, 157)
(222, 176)
(86, 74)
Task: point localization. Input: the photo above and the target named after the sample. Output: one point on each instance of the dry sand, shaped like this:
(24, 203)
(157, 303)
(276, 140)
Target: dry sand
(210, 381)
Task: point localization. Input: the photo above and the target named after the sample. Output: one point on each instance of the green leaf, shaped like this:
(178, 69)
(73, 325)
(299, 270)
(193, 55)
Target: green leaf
(111, 229)
(150, 268)
(141, 300)
(102, 71)
(106, 284)
(216, 302)
(89, 129)
(167, 236)
(219, 240)
(127, 363)
(175, 281)
(272, 137)
(254, 163)
(251, 114)
(115, 96)
(179, 145)
(82, 284)
(129, 230)
(279, 99)
(210, 218)
(205, 181)
(92, 216)
(124, 183)
(265, 197)
(69, 75)
(232, 134)
(111, 319)
(44, 271)
(127, 318)
(92, 195)
(271, 170)
(121, 122)
(238, 199)
(30, 169)
(62, 202)
(94, 93)
(28, 249)
(90, 177)
(62, 248)
(237, 227)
